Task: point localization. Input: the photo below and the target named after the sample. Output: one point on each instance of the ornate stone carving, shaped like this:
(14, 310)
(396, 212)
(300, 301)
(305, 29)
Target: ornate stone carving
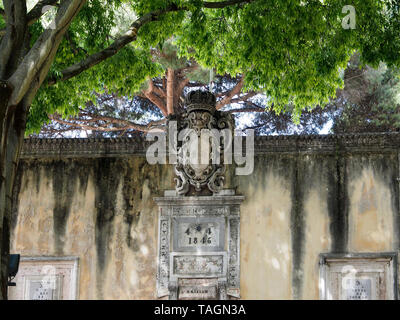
(234, 255)
(199, 241)
(198, 265)
(163, 257)
(200, 114)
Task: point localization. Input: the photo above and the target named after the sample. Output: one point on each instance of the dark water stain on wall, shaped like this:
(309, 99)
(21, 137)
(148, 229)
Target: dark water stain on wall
(386, 172)
(338, 203)
(387, 169)
(395, 192)
(16, 192)
(297, 223)
(302, 173)
(139, 172)
(64, 178)
(107, 174)
(131, 214)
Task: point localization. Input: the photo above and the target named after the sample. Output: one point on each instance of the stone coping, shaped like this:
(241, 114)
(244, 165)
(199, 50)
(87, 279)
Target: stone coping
(120, 147)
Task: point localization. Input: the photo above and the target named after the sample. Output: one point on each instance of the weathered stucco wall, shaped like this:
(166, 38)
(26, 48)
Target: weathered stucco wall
(299, 206)
(302, 199)
(100, 210)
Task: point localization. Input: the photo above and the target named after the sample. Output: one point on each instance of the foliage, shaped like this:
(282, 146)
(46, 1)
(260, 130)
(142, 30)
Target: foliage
(293, 51)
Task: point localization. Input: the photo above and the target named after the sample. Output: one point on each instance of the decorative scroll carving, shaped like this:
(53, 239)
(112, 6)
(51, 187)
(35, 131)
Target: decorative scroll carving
(222, 290)
(198, 265)
(200, 114)
(196, 210)
(163, 256)
(234, 258)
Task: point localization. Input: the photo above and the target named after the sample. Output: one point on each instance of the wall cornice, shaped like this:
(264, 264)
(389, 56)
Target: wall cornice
(122, 147)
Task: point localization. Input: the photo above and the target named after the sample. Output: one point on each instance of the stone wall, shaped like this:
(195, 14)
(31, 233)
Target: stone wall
(307, 195)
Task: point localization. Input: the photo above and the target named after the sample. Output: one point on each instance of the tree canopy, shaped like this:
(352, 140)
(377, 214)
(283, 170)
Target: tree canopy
(368, 102)
(293, 51)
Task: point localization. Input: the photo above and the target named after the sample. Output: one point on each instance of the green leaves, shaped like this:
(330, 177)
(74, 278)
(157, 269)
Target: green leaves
(122, 74)
(294, 51)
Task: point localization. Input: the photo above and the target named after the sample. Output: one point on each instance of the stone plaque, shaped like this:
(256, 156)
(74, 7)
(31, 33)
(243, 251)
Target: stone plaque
(46, 278)
(197, 289)
(358, 276)
(43, 288)
(198, 265)
(358, 289)
(199, 239)
(199, 234)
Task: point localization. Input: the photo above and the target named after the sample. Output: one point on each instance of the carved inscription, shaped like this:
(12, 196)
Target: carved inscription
(200, 233)
(207, 265)
(195, 234)
(358, 289)
(197, 210)
(197, 289)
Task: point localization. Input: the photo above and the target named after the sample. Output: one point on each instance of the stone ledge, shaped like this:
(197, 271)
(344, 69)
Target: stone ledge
(120, 147)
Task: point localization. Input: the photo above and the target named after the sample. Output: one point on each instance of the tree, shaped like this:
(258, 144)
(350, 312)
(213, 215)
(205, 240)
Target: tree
(291, 50)
(111, 114)
(369, 102)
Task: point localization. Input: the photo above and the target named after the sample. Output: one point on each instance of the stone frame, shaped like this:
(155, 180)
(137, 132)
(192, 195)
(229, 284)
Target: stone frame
(224, 205)
(67, 268)
(368, 263)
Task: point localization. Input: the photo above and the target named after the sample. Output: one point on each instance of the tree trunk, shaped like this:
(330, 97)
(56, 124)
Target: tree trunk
(13, 121)
(170, 90)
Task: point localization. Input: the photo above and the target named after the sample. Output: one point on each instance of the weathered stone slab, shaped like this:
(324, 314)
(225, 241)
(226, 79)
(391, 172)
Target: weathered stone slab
(198, 289)
(199, 237)
(198, 234)
(198, 265)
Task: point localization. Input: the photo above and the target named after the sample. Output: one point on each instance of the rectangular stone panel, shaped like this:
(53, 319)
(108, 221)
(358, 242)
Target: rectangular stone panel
(358, 276)
(198, 265)
(197, 289)
(46, 278)
(358, 289)
(196, 234)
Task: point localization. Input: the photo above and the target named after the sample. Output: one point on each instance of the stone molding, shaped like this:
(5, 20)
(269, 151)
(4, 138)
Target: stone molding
(224, 209)
(124, 147)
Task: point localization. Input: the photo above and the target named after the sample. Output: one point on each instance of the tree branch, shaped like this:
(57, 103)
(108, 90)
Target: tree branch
(149, 94)
(111, 50)
(129, 37)
(31, 72)
(11, 45)
(235, 91)
(92, 124)
(223, 4)
(170, 90)
(246, 110)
